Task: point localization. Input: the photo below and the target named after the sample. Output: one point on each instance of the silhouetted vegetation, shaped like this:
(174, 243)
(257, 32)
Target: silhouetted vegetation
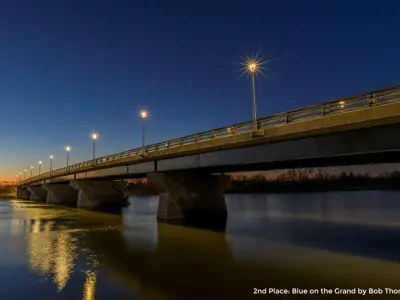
(139, 187)
(307, 180)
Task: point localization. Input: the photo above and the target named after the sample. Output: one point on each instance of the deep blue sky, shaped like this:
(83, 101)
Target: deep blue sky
(69, 67)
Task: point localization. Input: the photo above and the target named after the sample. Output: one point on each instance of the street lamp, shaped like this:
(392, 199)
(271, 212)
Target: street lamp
(31, 170)
(253, 66)
(68, 148)
(94, 136)
(20, 176)
(51, 162)
(25, 174)
(40, 165)
(143, 114)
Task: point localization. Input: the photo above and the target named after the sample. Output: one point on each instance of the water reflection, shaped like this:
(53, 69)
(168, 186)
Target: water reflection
(89, 289)
(52, 248)
(88, 255)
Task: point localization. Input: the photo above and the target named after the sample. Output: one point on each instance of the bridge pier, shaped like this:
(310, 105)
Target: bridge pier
(62, 194)
(37, 193)
(194, 196)
(93, 195)
(23, 193)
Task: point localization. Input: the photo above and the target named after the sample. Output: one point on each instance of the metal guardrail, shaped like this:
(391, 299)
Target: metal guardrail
(339, 106)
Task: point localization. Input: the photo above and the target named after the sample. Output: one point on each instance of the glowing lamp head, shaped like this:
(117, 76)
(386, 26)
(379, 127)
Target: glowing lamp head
(40, 162)
(68, 148)
(20, 173)
(31, 167)
(51, 156)
(144, 114)
(252, 66)
(341, 103)
(94, 136)
(25, 170)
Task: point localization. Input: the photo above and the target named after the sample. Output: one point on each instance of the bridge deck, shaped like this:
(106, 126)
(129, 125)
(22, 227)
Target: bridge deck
(362, 111)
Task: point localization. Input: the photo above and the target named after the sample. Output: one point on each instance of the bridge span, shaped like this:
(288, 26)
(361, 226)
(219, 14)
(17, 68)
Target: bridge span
(354, 130)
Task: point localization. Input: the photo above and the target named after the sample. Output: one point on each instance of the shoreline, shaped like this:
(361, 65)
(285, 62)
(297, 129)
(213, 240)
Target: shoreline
(270, 187)
(306, 187)
(284, 189)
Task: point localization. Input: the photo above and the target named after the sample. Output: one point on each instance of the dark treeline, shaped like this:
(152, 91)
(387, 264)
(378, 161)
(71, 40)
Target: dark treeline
(5, 189)
(307, 180)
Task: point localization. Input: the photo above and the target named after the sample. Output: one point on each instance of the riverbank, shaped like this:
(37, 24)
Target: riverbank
(259, 187)
(327, 184)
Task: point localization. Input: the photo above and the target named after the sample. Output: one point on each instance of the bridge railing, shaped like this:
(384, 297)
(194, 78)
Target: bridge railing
(338, 106)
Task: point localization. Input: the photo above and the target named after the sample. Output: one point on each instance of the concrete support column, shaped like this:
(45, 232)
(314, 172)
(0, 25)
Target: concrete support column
(62, 194)
(23, 193)
(190, 195)
(98, 194)
(37, 193)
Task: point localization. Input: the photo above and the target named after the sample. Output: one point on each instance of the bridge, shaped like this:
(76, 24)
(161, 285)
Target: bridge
(359, 129)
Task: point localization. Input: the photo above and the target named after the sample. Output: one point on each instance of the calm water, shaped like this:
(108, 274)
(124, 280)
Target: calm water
(340, 239)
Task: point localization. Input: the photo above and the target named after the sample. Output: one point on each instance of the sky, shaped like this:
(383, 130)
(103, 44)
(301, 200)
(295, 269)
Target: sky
(68, 68)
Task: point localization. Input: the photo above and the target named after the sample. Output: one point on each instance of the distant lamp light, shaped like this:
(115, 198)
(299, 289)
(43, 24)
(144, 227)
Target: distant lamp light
(68, 149)
(143, 114)
(94, 136)
(51, 162)
(341, 103)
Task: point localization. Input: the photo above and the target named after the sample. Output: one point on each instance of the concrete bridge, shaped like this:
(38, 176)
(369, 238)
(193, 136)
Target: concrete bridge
(354, 130)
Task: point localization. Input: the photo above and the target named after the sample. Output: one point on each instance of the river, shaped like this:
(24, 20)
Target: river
(342, 240)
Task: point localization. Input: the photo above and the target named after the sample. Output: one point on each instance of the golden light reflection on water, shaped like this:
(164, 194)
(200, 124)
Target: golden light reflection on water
(89, 289)
(64, 262)
(51, 252)
(40, 245)
(52, 249)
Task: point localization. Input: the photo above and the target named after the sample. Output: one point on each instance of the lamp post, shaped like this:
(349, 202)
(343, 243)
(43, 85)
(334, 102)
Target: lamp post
(31, 170)
(143, 114)
(25, 174)
(39, 165)
(94, 137)
(68, 149)
(253, 66)
(20, 176)
(51, 162)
